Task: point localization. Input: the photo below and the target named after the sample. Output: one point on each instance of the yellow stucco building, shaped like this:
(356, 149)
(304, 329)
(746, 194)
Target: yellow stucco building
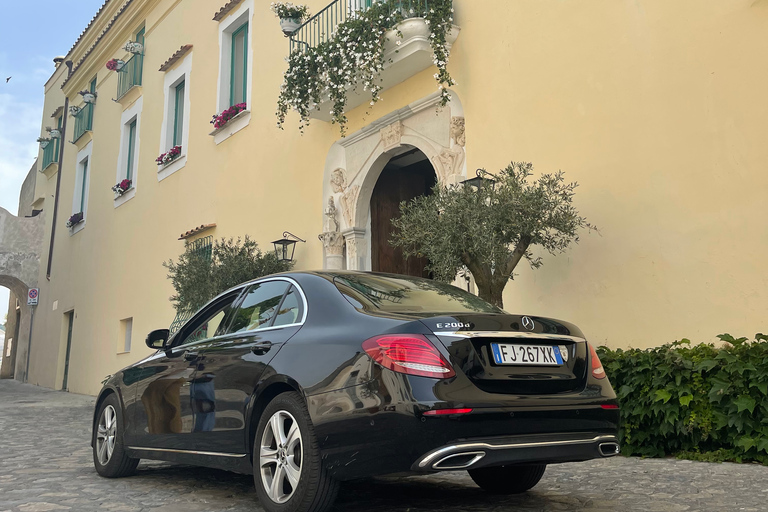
(658, 109)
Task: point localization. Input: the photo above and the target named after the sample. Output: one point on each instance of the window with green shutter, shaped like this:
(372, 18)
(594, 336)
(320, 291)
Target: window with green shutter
(131, 149)
(239, 70)
(82, 185)
(178, 118)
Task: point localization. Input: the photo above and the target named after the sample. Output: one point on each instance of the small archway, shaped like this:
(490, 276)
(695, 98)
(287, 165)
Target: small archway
(405, 177)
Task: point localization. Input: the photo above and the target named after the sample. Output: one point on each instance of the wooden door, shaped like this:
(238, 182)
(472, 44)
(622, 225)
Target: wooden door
(396, 184)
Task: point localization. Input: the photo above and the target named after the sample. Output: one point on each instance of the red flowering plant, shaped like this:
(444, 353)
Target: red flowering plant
(220, 120)
(169, 156)
(115, 65)
(122, 187)
(75, 219)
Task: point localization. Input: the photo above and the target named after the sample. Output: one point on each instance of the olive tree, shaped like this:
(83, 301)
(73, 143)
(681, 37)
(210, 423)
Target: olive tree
(201, 273)
(488, 229)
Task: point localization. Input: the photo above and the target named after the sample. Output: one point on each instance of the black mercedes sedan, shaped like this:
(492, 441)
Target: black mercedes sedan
(308, 379)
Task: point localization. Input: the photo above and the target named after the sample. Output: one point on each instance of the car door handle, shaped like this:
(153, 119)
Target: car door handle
(191, 356)
(261, 348)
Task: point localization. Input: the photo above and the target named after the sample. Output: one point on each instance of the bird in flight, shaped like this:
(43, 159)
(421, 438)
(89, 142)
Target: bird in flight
(8, 79)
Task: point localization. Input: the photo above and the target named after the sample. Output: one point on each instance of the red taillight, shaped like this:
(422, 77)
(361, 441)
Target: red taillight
(609, 406)
(443, 412)
(597, 367)
(408, 353)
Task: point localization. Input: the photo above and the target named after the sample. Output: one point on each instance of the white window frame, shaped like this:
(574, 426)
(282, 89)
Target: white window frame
(82, 155)
(174, 77)
(126, 118)
(226, 27)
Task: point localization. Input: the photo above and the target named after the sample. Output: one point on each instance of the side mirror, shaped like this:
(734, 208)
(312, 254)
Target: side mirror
(157, 338)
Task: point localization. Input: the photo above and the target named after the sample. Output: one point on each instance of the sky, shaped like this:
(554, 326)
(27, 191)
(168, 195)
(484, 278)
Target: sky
(32, 33)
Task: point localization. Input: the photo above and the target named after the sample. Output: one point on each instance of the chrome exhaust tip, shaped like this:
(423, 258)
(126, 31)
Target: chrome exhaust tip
(458, 460)
(608, 449)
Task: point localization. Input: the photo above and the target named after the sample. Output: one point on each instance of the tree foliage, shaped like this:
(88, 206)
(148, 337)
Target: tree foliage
(489, 229)
(200, 275)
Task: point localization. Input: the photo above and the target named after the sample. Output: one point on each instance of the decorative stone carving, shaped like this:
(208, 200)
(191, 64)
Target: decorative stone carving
(349, 204)
(333, 241)
(448, 164)
(457, 131)
(391, 135)
(338, 181)
(332, 221)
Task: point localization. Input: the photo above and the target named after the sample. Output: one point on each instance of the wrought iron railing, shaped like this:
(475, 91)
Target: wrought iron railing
(130, 75)
(322, 26)
(83, 121)
(50, 154)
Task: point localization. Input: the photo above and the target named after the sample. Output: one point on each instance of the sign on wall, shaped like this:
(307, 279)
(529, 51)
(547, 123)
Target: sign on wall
(32, 296)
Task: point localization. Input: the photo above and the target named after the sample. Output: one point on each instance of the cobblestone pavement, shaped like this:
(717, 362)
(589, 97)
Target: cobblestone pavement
(45, 465)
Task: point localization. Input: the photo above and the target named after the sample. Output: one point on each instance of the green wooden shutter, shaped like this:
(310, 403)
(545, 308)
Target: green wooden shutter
(178, 118)
(131, 148)
(238, 80)
(82, 188)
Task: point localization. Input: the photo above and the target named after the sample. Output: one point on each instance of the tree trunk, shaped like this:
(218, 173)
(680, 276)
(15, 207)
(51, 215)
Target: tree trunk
(491, 294)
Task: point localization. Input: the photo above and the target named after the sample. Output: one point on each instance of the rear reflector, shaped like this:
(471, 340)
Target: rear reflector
(609, 406)
(443, 412)
(408, 353)
(597, 367)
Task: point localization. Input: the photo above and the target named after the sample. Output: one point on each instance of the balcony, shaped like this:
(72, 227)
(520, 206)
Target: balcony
(83, 122)
(130, 75)
(50, 154)
(404, 57)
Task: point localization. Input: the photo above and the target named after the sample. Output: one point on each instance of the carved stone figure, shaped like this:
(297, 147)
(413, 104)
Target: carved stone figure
(332, 221)
(457, 131)
(391, 135)
(338, 181)
(333, 241)
(450, 162)
(349, 204)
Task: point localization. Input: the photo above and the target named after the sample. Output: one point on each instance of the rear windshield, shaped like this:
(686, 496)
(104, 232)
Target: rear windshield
(398, 294)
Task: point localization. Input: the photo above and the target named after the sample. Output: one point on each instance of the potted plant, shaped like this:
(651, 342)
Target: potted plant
(291, 16)
(88, 96)
(74, 110)
(219, 120)
(116, 65)
(43, 142)
(169, 156)
(75, 219)
(54, 132)
(133, 47)
(122, 187)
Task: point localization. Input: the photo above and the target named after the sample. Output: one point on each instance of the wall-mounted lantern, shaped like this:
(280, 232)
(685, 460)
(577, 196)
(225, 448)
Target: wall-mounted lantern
(285, 247)
(483, 177)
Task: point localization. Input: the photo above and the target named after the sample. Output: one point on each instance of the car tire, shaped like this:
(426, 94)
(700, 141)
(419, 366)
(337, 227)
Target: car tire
(109, 455)
(288, 470)
(508, 479)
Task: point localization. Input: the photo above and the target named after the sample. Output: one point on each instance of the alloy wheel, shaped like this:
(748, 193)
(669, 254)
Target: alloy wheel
(280, 456)
(106, 435)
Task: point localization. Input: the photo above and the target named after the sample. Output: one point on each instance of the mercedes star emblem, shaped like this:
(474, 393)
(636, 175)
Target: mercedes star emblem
(528, 323)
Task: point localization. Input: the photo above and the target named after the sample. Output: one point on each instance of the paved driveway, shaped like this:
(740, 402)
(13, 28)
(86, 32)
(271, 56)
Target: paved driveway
(45, 465)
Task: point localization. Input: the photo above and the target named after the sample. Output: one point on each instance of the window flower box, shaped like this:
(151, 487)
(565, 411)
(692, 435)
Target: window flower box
(291, 16)
(168, 157)
(75, 219)
(116, 65)
(220, 120)
(122, 187)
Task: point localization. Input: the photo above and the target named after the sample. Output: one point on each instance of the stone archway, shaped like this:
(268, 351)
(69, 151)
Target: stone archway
(354, 164)
(20, 242)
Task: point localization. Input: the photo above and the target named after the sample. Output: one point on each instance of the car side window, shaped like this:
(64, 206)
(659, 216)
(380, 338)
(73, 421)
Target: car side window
(291, 310)
(258, 307)
(209, 325)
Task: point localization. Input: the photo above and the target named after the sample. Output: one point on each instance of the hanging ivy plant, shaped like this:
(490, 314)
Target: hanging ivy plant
(355, 55)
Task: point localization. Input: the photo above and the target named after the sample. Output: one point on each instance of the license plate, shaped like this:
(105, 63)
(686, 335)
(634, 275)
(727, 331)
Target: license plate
(540, 355)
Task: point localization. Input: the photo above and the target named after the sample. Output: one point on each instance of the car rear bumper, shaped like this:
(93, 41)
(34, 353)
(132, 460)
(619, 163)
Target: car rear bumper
(525, 449)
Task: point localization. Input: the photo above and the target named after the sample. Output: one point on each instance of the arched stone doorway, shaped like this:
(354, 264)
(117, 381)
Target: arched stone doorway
(355, 164)
(405, 177)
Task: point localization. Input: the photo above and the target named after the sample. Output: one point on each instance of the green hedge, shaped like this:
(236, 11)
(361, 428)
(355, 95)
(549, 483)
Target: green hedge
(694, 401)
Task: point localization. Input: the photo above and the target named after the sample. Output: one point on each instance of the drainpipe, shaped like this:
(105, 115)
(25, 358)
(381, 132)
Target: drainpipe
(29, 344)
(58, 178)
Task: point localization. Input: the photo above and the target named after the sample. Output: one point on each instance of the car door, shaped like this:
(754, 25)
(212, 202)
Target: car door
(269, 314)
(164, 413)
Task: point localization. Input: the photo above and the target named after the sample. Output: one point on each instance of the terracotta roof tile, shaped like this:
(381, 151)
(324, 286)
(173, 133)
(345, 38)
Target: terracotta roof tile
(229, 6)
(194, 231)
(57, 112)
(175, 57)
